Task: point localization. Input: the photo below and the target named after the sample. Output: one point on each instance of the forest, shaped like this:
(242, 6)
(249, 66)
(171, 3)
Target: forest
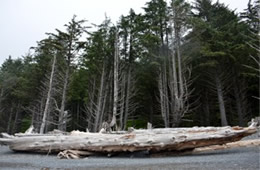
(174, 65)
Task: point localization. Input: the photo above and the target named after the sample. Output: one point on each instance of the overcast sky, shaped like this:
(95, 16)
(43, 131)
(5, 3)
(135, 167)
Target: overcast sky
(24, 22)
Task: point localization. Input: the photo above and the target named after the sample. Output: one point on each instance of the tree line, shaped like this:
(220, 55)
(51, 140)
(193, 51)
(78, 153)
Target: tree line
(176, 64)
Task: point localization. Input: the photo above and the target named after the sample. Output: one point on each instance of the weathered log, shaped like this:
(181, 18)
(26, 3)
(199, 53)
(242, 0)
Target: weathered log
(238, 144)
(154, 140)
(232, 145)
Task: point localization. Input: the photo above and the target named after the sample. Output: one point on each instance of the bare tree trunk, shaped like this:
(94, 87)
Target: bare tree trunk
(122, 100)
(177, 91)
(91, 104)
(238, 104)
(10, 119)
(165, 92)
(173, 88)
(116, 59)
(104, 101)
(110, 99)
(39, 110)
(221, 101)
(206, 110)
(78, 112)
(49, 95)
(178, 84)
(163, 109)
(127, 100)
(62, 119)
(151, 113)
(99, 102)
(16, 120)
(180, 76)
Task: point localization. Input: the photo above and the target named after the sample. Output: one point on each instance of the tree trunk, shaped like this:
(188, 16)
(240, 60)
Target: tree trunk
(238, 104)
(165, 91)
(10, 119)
(174, 90)
(179, 91)
(163, 111)
(180, 76)
(62, 119)
(89, 107)
(221, 101)
(99, 100)
(206, 109)
(151, 111)
(104, 100)
(127, 98)
(16, 120)
(122, 99)
(49, 95)
(115, 101)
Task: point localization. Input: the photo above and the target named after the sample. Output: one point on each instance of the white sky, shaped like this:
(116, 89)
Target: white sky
(24, 22)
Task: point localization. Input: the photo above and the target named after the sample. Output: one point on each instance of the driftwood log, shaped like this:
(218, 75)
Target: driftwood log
(232, 145)
(238, 144)
(151, 140)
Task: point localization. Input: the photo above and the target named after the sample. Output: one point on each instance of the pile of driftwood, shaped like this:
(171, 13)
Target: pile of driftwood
(154, 141)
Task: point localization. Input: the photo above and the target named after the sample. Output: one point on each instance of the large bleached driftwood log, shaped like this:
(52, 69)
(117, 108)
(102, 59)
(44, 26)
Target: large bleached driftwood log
(153, 140)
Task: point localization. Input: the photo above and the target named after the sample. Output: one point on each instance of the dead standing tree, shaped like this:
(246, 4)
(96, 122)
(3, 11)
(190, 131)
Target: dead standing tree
(69, 45)
(111, 86)
(123, 87)
(129, 48)
(97, 103)
(127, 92)
(115, 81)
(49, 95)
(100, 76)
(174, 82)
(43, 106)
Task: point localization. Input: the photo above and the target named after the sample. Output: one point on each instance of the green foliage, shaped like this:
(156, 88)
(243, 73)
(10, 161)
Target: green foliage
(137, 124)
(25, 124)
(78, 86)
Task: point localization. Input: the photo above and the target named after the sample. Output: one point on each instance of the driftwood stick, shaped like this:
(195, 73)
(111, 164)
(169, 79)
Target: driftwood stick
(74, 154)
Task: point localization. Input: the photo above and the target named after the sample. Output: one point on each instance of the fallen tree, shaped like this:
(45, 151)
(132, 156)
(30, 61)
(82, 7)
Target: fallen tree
(151, 140)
